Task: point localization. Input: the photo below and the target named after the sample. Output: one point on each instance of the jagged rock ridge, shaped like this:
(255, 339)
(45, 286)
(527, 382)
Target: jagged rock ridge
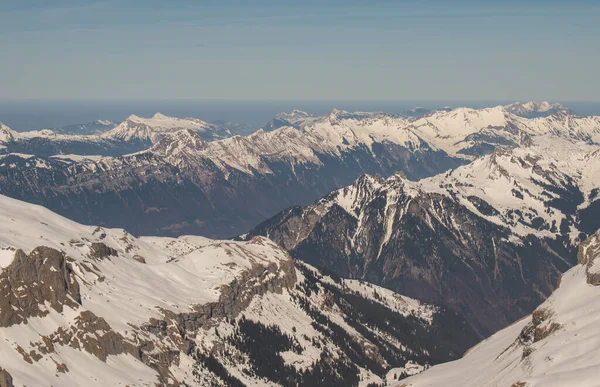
(487, 239)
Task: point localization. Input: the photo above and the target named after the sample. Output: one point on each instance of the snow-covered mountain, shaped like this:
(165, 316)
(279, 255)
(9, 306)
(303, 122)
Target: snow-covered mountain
(6, 134)
(295, 119)
(184, 184)
(104, 138)
(473, 132)
(533, 109)
(85, 305)
(46, 143)
(151, 129)
(418, 112)
(488, 239)
(91, 128)
(557, 345)
(205, 187)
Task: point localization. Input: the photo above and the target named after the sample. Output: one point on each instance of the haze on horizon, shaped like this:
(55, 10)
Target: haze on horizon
(300, 50)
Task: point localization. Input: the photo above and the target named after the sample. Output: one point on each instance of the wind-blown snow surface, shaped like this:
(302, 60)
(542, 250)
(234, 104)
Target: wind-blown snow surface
(558, 345)
(141, 311)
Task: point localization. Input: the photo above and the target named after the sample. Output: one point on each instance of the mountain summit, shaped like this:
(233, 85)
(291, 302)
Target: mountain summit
(533, 109)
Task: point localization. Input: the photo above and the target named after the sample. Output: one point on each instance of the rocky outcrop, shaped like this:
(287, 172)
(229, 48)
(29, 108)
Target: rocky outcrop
(159, 342)
(587, 255)
(89, 333)
(30, 281)
(5, 379)
(182, 328)
(99, 250)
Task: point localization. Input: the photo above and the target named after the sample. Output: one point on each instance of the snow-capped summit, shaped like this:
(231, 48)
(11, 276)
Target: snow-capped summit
(418, 112)
(296, 119)
(6, 134)
(533, 109)
(151, 129)
(180, 148)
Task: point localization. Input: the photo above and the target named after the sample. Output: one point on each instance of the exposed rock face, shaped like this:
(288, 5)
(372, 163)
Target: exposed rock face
(588, 253)
(99, 250)
(30, 281)
(489, 239)
(45, 276)
(181, 328)
(5, 379)
(178, 188)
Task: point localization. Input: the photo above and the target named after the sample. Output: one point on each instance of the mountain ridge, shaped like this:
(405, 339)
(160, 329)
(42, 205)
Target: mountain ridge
(96, 306)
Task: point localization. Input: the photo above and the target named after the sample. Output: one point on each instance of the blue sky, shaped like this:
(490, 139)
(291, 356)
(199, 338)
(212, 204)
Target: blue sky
(300, 50)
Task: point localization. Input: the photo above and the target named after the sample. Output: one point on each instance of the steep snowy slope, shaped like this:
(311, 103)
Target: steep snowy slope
(83, 305)
(151, 129)
(6, 134)
(558, 345)
(487, 239)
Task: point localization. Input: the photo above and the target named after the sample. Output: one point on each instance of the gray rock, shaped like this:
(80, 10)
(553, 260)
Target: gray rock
(30, 281)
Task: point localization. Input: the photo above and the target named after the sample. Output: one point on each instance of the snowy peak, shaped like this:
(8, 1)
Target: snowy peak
(6, 134)
(151, 129)
(91, 128)
(296, 119)
(179, 144)
(533, 109)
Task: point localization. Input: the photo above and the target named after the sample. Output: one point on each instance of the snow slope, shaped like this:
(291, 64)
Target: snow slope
(83, 305)
(558, 345)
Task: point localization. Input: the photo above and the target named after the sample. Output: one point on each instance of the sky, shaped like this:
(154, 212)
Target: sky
(299, 50)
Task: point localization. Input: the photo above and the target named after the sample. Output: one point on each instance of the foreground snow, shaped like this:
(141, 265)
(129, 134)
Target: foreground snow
(83, 305)
(558, 345)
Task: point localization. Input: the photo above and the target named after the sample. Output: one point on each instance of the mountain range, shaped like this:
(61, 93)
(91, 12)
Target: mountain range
(379, 246)
(185, 183)
(85, 305)
(488, 239)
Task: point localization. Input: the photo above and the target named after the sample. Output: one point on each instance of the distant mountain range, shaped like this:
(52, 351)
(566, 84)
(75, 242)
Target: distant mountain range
(91, 128)
(182, 179)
